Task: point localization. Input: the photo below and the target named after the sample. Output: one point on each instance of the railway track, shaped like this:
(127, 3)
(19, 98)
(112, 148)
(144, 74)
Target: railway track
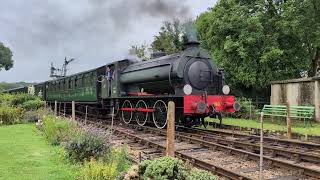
(224, 157)
(294, 150)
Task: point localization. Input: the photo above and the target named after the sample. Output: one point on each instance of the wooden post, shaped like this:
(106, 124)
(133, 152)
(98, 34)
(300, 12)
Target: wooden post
(55, 108)
(86, 116)
(111, 128)
(288, 121)
(73, 111)
(261, 147)
(64, 109)
(170, 129)
(59, 109)
(45, 104)
(250, 109)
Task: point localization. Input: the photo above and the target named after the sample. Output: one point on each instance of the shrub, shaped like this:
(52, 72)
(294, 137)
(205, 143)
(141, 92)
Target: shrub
(32, 104)
(110, 166)
(132, 173)
(84, 146)
(19, 99)
(6, 99)
(197, 174)
(171, 168)
(163, 168)
(120, 156)
(97, 169)
(35, 115)
(10, 115)
(56, 129)
(30, 116)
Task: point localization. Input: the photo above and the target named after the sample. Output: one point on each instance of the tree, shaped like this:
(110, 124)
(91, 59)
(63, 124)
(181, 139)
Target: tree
(249, 40)
(170, 38)
(301, 18)
(140, 51)
(6, 61)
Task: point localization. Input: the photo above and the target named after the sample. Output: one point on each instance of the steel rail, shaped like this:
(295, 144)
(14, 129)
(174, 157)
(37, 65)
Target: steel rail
(275, 162)
(197, 162)
(296, 155)
(310, 145)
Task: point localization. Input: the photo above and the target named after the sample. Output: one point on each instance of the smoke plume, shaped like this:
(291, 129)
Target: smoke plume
(44, 31)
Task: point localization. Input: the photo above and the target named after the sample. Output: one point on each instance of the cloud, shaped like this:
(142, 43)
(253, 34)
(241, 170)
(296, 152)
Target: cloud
(92, 31)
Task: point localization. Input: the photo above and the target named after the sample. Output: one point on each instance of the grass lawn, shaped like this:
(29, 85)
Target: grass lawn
(24, 154)
(277, 125)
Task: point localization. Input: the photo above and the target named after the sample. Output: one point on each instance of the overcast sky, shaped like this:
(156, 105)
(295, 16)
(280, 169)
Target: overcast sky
(94, 32)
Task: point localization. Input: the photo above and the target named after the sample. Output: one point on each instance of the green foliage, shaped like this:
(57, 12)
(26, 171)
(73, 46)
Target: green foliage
(25, 101)
(110, 167)
(140, 51)
(10, 115)
(170, 38)
(197, 174)
(164, 168)
(35, 115)
(171, 168)
(246, 107)
(30, 116)
(6, 61)
(84, 146)
(33, 104)
(97, 169)
(5, 99)
(258, 41)
(120, 156)
(56, 129)
(19, 99)
(300, 21)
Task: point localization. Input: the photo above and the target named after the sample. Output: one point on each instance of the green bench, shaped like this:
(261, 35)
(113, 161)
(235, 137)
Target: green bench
(301, 112)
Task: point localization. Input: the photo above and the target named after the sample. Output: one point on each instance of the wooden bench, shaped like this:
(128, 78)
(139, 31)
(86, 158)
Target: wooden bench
(301, 112)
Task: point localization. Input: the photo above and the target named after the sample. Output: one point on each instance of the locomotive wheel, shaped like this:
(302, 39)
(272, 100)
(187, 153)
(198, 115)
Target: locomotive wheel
(126, 115)
(141, 117)
(160, 114)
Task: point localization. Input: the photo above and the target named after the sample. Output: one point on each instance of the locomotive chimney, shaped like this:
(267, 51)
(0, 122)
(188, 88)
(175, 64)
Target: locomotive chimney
(191, 35)
(192, 44)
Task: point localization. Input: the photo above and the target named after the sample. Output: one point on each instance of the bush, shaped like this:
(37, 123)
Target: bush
(33, 104)
(163, 168)
(120, 156)
(97, 169)
(35, 115)
(84, 146)
(56, 129)
(10, 115)
(30, 116)
(197, 174)
(171, 168)
(6, 99)
(19, 99)
(109, 167)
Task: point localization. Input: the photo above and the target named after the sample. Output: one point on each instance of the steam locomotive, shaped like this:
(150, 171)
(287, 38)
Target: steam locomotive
(139, 91)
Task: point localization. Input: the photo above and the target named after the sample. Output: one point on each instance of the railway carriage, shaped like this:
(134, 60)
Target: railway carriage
(140, 91)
